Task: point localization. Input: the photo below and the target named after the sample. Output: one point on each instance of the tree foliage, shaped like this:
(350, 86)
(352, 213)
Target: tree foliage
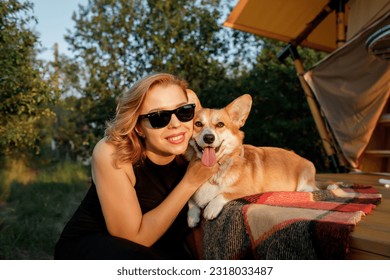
(24, 95)
(121, 41)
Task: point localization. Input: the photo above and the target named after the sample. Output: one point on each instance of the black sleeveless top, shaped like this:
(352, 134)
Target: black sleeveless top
(153, 184)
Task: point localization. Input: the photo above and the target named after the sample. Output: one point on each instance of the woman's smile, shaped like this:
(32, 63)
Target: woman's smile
(176, 138)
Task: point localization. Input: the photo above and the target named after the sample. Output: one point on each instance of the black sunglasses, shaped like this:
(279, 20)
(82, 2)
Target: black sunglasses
(162, 118)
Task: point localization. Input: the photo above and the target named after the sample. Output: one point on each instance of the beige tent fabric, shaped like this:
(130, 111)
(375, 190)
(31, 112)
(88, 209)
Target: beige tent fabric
(284, 20)
(363, 12)
(352, 88)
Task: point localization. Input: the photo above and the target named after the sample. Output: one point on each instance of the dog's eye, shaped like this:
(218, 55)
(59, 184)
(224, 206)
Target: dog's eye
(220, 124)
(198, 124)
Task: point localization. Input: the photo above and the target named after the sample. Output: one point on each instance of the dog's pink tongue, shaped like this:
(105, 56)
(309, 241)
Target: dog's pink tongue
(208, 157)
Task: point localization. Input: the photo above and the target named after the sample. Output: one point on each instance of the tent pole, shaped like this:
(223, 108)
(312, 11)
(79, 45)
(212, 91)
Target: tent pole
(319, 121)
(339, 6)
(340, 23)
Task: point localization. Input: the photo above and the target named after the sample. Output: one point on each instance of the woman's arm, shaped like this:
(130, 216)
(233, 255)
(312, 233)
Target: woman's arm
(121, 209)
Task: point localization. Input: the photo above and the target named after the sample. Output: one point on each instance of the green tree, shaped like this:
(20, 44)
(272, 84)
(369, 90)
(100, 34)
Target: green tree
(24, 94)
(66, 138)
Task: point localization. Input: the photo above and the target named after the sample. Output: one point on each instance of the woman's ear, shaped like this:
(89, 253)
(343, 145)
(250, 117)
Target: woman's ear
(139, 132)
(193, 98)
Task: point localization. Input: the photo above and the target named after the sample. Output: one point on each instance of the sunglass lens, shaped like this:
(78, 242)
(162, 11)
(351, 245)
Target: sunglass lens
(165, 118)
(185, 113)
(159, 120)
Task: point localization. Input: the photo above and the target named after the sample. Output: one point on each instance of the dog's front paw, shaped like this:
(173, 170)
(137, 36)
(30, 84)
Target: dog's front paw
(193, 216)
(331, 187)
(214, 208)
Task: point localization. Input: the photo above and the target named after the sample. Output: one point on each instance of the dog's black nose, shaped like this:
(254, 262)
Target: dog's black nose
(208, 138)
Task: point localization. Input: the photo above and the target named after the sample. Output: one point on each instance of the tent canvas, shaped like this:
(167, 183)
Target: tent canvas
(285, 20)
(351, 85)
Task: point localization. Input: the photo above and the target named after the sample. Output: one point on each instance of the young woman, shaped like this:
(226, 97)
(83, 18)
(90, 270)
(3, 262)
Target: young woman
(136, 205)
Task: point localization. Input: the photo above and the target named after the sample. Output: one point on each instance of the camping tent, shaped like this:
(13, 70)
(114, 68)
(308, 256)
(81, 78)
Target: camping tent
(351, 85)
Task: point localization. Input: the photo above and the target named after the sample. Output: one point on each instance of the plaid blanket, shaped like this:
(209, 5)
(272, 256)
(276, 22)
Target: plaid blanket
(288, 225)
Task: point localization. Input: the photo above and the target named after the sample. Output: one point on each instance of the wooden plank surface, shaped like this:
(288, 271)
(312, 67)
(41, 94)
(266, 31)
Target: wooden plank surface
(371, 236)
(385, 119)
(378, 153)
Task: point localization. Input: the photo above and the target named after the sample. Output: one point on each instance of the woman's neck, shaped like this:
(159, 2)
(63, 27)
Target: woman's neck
(160, 159)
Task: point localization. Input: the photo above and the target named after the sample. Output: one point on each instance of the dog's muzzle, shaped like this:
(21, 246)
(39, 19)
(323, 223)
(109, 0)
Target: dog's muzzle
(200, 149)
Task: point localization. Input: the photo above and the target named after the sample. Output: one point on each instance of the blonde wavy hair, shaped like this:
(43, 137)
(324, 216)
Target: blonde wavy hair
(120, 131)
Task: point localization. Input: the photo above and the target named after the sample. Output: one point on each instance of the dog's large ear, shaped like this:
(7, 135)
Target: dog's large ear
(239, 109)
(193, 98)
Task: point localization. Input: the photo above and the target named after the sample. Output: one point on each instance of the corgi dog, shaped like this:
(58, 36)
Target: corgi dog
(244, 169)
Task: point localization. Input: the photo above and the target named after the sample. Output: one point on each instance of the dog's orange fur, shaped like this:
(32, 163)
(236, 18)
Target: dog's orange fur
(244, 169)
(268, 169)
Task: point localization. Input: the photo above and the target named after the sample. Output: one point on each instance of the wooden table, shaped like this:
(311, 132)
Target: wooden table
(370, 239)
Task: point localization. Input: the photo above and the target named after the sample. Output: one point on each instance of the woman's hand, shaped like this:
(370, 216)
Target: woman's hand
(197, 173)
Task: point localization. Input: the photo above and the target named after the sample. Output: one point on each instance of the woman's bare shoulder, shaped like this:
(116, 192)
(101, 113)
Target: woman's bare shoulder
(103, 149)
(103, 154)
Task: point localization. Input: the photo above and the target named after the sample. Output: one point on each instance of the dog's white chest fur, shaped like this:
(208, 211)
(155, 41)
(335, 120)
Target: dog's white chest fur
(209, 196)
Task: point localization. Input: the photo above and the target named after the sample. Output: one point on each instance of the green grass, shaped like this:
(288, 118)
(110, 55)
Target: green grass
(33, 212)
